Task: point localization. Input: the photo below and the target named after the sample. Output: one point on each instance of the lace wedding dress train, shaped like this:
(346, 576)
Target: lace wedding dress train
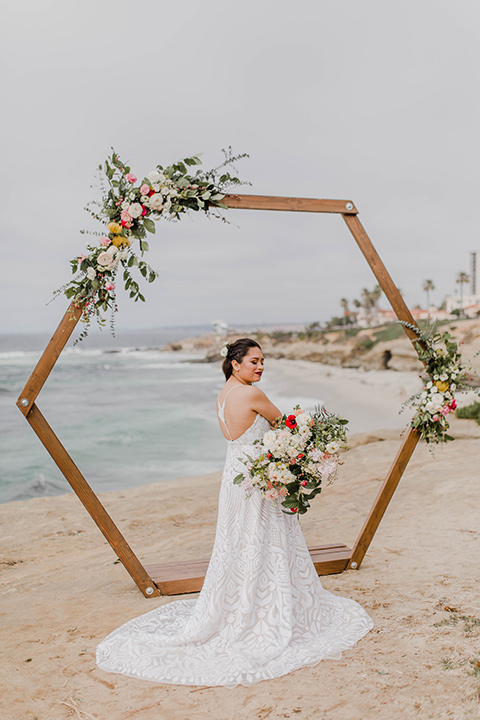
(262, 611)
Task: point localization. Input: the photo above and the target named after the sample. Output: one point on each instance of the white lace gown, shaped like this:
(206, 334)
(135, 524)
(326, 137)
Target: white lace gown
(262, 611)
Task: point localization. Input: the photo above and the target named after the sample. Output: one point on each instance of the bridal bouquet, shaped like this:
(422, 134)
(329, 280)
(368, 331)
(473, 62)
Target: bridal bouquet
(295, 458)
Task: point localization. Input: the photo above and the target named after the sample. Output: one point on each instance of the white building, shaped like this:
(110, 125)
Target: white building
(470, 303)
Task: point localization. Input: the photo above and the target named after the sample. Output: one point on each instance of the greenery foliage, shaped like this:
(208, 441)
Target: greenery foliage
(127, 211)
(446, 375)
(469, 412)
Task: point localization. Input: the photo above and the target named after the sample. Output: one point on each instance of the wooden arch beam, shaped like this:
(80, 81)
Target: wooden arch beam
(175, 578)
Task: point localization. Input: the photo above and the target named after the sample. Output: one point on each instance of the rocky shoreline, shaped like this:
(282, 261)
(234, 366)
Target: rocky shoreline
(379, 348)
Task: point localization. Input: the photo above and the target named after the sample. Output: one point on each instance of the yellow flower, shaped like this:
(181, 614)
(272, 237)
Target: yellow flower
(120, 240)
(442, 386)
(114, 228)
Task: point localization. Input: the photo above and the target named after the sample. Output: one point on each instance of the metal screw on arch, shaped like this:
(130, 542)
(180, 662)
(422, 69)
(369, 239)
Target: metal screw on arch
(184, 577)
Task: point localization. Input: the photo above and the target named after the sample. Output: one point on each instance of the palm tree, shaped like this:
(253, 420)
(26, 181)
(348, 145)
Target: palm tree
(462, 278)
(376, 295)
(367, 304)
(427, 287)
(344, 304)
(357, 305)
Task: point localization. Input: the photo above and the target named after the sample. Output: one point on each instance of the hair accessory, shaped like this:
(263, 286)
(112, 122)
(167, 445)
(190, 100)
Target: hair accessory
(224, 350)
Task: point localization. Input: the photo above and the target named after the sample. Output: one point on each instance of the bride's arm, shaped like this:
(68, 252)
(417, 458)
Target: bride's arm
(262, 405)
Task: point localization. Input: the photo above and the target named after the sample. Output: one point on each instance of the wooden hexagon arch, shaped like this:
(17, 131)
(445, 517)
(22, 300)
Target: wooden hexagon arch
(185, 577)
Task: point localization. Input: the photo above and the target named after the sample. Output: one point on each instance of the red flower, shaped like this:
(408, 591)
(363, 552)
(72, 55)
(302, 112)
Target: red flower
(269, 455)
(291, 422)
(300, 456)
(294, 509)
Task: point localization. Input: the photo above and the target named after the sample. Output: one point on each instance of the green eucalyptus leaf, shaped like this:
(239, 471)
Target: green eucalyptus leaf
(149, 225)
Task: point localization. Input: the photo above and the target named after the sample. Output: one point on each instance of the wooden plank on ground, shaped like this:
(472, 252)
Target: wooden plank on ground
(179, 578)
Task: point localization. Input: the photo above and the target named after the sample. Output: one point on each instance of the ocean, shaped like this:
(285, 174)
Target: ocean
(128, 412)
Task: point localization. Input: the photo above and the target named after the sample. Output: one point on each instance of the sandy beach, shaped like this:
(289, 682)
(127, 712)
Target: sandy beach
(370, 399)
(63, 591)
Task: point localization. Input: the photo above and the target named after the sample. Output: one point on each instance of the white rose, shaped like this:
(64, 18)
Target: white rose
(91, 274)
(269, 438)
(156, 187)
(437, 398)
(135, 210)
(125, 205)
(333, 447)
(453, 387)
(173, 192)
(303, 419)
(104, 259)
(155, 176)
(111, 250)
(132, 196)
(156, 202)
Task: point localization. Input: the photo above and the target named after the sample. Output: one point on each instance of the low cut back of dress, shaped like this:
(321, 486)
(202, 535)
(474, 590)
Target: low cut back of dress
(262, 611)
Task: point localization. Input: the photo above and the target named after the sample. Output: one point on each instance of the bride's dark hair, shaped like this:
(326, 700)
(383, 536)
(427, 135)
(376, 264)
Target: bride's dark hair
(237, 351)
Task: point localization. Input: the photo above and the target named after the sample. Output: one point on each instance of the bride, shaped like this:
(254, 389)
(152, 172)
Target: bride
(262, 611)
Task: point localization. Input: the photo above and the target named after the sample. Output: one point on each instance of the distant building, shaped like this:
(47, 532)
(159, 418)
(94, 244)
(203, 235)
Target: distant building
(470, 303)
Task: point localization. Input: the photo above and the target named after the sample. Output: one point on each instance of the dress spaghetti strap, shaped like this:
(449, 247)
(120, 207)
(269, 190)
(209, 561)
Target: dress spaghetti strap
(221, 409)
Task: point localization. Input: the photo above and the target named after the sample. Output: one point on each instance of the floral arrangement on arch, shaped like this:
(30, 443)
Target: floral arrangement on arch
(446, 376)
(295, 458)
(128, 211)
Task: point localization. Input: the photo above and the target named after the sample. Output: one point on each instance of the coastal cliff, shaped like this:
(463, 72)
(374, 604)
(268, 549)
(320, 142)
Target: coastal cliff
(377, 348)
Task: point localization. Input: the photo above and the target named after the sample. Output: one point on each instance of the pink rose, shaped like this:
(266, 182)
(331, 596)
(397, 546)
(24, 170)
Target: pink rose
(125, 216)
(131, 178)
(109, 286)
(145, 189)
(435, 418)
(104, 241)
(445, 410)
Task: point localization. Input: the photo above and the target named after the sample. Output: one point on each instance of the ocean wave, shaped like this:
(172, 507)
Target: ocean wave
(41, 486)
(18, 354)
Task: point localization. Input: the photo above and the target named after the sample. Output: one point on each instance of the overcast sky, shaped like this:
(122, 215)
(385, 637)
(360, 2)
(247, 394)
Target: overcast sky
(372, 101)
